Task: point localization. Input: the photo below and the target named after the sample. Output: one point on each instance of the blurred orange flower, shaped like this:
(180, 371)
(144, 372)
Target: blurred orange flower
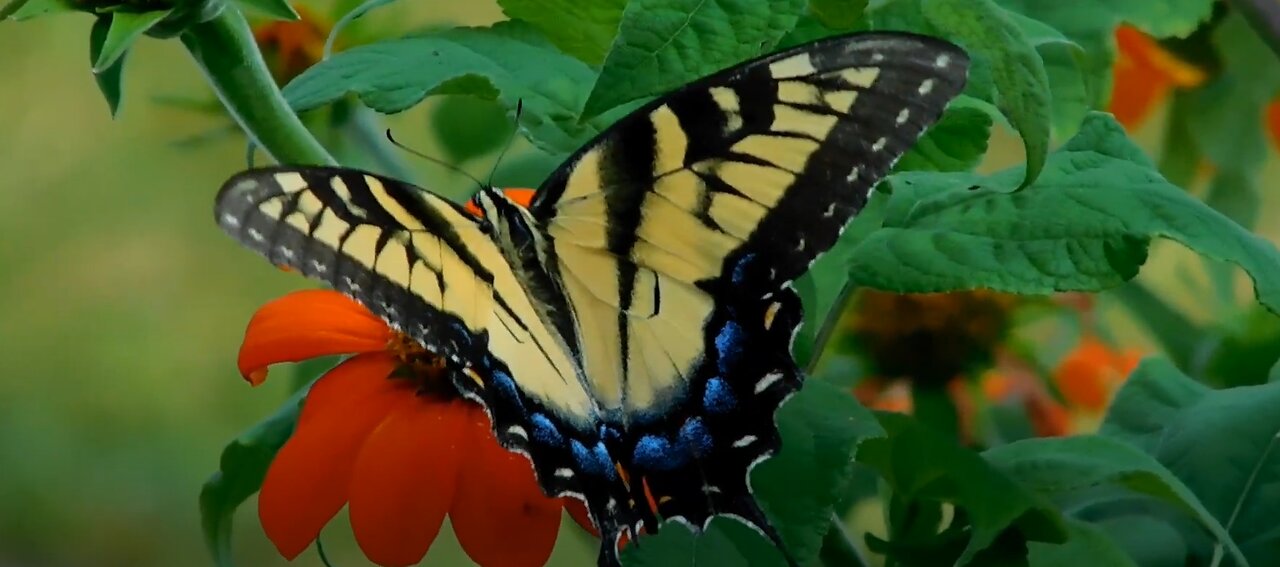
(1143, 76)
(1088, 375)
(386, 434)
(1273, 122)
(290, 47)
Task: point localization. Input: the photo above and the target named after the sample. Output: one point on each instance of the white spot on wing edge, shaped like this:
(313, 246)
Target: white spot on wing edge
(768, 380)
(518, 431)
(879, 145)
(942, 61)
(230, 220)
(903, 116)
(926, 87)
(564, 472)
(744, 441)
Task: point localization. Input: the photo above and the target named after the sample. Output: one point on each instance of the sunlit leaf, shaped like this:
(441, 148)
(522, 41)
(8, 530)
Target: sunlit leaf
(126, 28)
(595, 23)
(663, 44)
(1086, 226)
(277, 9)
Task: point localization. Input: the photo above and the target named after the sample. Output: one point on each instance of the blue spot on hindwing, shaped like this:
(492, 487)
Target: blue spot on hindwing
(594, 461)
(506, 386)
(655, 452)
(718, 397)
(544, 431)
(729, 345)
(740, 269)
(695, 439)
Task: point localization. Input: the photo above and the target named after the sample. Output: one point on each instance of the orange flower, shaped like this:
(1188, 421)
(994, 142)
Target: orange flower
(1144, 74)
(385, 434)
(1088, 375)
(520, 197)
(290, 47)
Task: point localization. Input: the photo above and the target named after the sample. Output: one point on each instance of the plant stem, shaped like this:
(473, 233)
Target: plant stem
(223, 47)
(838, 549)
(829, 325)
(1264, 17)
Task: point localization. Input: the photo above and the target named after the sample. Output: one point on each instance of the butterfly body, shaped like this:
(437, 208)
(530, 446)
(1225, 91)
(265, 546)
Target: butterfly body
(630, 331)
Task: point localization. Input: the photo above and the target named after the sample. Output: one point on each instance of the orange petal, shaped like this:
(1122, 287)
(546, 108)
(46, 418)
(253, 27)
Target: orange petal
(1082, 375)
(578, 511)
(1048, 417)
(518, 196)
(501, 517)
(405, 479)
(307, 482)
(307, 324)
(1143, 75)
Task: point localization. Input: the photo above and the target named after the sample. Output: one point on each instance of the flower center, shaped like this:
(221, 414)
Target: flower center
(424, 369)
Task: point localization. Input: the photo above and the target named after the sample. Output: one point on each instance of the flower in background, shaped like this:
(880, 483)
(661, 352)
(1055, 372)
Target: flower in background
(1144, 75)
(290, 47)
(1089, 375)
(386, 434)
(1273, 122)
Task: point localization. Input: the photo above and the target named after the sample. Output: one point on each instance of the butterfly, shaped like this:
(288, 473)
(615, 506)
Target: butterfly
(630, 330)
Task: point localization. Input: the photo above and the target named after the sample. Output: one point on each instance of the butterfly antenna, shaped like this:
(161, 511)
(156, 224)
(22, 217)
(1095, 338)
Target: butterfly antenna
(512, 138)
(431, 159)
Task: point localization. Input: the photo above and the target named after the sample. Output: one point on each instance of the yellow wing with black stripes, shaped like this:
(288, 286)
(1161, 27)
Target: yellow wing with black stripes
(677, 232)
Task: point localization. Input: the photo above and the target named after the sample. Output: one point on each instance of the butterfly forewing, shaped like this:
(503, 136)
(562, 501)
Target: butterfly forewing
(678, 231)
(631, 335)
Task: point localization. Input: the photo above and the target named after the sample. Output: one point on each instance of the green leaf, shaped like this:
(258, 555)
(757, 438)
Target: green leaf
(241, 469)
(276, 9)
(663, 44)
(822, 428)
(987, 31)
(1224, 444)
(837, 14)
(108, 79)
(19, 10)
(922, 465)
(594, 24)
(1086, 545)
(1064, 66)
(1086, 226)
(1247, 351)
(469, 127)
(1063, 465)
(508, 62)
(957, 142)
(725, 542)
(126, 28)
(1180, 156)
(1149, 541)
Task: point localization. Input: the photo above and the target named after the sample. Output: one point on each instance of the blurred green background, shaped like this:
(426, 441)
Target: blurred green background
(123, 305)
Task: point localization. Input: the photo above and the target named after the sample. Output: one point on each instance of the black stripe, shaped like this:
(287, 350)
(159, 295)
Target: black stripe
(703, 122)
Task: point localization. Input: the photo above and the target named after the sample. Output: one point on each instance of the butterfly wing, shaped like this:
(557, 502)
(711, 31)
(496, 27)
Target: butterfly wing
(423, 265)
(677, 232)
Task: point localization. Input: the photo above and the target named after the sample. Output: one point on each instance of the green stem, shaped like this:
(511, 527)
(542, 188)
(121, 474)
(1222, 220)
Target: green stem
(838, 549)
(223, 47)
(11, 8)
(1264, 17)
(829, 325)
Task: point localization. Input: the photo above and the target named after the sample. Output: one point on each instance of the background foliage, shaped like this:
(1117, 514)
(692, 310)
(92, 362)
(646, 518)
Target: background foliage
(121, 324)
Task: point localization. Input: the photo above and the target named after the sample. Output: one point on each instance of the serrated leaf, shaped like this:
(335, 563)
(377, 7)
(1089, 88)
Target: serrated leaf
(508, 62)
(1063, 465)
(986, 30)
(241, 469)
(822, 429)
(1224, 444)
(595, 23)
(20, 10)
(663, 44)
(276, 9)
(1086, 226)
(920, 464)
(126, 28)
(108, 79)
